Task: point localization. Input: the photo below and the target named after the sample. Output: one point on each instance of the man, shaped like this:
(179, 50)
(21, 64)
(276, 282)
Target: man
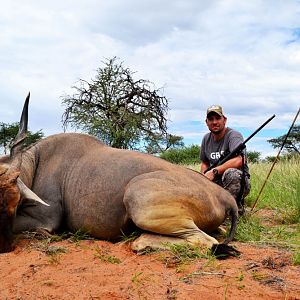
(233, 175)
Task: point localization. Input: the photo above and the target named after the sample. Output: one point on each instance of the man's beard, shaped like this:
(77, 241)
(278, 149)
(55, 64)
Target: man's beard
(216, 131)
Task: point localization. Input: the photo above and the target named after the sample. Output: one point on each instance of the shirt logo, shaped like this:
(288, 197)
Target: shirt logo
(216, 155)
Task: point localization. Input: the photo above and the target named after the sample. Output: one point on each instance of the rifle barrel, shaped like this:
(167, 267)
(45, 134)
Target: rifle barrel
(257, 130)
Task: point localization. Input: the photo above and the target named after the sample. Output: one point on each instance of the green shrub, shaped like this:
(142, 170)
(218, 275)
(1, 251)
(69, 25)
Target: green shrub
(253, 156)
(184, 155)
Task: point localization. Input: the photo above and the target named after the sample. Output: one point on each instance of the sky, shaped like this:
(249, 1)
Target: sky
(243, 55)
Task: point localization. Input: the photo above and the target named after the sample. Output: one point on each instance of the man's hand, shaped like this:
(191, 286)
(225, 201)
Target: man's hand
(210, 175)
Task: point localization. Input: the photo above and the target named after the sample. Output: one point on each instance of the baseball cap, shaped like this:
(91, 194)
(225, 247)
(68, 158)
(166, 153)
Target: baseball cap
(216, 109)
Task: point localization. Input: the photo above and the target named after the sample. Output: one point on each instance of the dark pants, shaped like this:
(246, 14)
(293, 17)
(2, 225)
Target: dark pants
(231, 181)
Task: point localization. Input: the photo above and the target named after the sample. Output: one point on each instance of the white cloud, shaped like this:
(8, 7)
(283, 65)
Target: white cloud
(244, 55)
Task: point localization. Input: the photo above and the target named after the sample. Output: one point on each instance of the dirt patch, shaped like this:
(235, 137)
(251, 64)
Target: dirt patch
(102, 270)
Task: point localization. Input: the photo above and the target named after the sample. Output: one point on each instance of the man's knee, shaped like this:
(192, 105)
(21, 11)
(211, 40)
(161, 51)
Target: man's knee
(231, 176)
(232, 181)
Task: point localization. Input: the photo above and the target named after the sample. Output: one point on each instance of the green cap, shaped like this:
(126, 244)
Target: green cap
(216, 109)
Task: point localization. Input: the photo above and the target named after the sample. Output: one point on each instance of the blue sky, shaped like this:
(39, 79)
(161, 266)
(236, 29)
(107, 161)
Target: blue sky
(243, 55)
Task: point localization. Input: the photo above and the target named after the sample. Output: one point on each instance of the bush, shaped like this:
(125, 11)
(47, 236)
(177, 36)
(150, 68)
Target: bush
(283, 157)
(184, 155)
(253, 156)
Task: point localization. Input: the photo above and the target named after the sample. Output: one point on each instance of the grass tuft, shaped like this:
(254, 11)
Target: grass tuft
(104, 256)
(79, 235)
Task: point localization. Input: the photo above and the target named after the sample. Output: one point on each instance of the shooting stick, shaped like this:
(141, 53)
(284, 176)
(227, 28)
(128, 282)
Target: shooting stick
(274, 162)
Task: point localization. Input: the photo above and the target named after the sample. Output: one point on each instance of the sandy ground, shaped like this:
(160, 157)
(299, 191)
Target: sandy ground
(103, 270)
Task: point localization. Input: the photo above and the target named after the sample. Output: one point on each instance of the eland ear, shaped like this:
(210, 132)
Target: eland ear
(27, 193)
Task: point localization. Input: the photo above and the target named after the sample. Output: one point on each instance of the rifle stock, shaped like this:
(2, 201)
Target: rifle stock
(238, 150)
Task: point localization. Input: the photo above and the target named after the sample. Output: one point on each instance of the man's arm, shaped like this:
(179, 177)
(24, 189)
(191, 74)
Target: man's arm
(210, 175)
(203, 166)
(235, 162)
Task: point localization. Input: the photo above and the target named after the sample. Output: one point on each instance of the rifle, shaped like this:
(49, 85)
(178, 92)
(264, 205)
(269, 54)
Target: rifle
(238, 150)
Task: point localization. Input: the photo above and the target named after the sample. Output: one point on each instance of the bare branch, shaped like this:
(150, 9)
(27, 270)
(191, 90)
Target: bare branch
(116, 108)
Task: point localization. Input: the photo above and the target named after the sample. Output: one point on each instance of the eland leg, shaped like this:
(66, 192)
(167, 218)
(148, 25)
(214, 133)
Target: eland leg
(156, 208)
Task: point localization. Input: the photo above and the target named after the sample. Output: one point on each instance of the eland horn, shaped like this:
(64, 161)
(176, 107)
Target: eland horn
(27, 193)
(23, 126)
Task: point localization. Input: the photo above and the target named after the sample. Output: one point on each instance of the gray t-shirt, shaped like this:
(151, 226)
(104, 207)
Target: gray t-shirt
(212, 150)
